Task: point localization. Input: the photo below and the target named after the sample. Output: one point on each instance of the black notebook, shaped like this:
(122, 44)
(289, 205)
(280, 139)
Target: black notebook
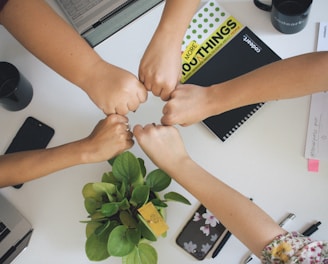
(234, 59)
(228, 50)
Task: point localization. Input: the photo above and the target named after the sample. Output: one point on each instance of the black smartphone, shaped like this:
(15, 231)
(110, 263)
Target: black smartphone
(200, 233)
(33, 134)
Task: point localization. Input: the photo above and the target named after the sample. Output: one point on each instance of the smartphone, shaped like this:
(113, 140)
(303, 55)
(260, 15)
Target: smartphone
(200, 233)
(33, 134)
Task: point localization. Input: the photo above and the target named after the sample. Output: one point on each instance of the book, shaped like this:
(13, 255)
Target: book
(225, 52)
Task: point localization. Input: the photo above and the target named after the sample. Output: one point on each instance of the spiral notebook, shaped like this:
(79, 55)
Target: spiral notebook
(230, 50)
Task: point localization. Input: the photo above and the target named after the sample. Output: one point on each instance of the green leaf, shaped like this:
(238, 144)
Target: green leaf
(96, 247)
(109, 178)
(143, 254)
(173, 196)
(145, 229)
(126, 168)
(127, 219)
(121, 192)
(91, 205)
(104, 188)
(111, 161)
(158, 180)
(158, 203)
(88, 191)
(119, 244)
(140, 195)
(109, 209)
(124, 204)
(91, 227)
(101, 229)
(142, 167)
(134, 235)
(97, 216)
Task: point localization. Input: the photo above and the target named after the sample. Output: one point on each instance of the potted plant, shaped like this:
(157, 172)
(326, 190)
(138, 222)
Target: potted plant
(120, 223)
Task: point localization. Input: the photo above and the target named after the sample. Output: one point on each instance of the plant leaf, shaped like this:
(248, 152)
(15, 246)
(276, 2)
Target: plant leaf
(173, 196)
(158, 203)
(134, 235)
(143, 254)
(145, 229)
(124, 204)
(121, 191)
(91, 205)
(96, 247)
(109, 209)
(109, 178)
(126, 168)
(101, 229)
(158, 180)
(127, 219)
(118, 243)
(142, 167)
(140, 195)
(91, 227)
(104, 187)
(88, 191)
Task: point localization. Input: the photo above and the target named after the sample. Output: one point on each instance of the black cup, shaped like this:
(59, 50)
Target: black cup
(287, 16)
(15, 90)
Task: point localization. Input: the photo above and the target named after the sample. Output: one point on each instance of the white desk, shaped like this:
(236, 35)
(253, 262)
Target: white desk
(263, 159)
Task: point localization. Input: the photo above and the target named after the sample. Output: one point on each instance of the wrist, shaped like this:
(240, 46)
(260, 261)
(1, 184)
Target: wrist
(222, 98)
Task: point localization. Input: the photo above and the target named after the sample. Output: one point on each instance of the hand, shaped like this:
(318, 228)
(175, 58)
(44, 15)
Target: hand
(110, 137)
(114, 90)
(160, 67)
(188, 104)
(162, 144)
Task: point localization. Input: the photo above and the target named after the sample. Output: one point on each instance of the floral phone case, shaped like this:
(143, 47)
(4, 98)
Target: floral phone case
(200, 233)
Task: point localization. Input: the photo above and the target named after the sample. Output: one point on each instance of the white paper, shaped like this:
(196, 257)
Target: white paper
(317, 135)
(323, 37)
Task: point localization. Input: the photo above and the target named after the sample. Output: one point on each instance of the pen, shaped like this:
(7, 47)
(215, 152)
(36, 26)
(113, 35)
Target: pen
(289, 217)
(311, 229)
(221, 244)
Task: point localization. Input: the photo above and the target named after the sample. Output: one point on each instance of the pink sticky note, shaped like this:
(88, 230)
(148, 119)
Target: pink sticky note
(313, 165)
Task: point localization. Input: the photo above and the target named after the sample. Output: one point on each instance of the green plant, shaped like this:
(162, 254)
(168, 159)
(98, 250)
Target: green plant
(115, 227)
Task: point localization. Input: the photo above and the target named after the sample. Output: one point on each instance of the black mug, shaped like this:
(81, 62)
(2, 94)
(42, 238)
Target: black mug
(287, 16)
(15, 90)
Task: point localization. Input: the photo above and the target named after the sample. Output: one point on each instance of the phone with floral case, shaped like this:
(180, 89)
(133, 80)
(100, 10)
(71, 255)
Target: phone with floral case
(200, 233)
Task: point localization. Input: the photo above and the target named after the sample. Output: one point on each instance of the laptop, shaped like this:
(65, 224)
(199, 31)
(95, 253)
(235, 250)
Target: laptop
(96, 20)
(15, 232)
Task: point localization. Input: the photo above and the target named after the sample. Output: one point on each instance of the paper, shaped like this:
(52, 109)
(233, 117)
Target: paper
(317, 136)
(323, 37)
(316, 147)
(153, 218)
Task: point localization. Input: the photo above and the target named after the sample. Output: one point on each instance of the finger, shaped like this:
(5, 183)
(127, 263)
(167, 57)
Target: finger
(127, 127)
(142, 94)
(137, 130)
(122, 110)
(165, 94)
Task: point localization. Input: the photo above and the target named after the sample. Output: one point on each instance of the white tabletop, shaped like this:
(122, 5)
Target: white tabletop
(264, 159)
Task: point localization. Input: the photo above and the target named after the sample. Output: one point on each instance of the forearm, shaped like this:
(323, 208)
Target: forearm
(176, 17)
(24, 166)
(34, 24)
(229, 206)
(289, 78)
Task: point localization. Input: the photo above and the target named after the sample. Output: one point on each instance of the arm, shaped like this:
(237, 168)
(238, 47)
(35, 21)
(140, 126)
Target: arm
(53, 41)
(234, 208)
(297, 76)
(160, 67)
(108, 139)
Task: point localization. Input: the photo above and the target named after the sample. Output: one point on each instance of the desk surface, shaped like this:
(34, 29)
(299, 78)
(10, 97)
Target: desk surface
(264, 159)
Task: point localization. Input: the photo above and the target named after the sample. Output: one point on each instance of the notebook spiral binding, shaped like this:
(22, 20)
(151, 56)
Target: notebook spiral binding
(241, 122)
